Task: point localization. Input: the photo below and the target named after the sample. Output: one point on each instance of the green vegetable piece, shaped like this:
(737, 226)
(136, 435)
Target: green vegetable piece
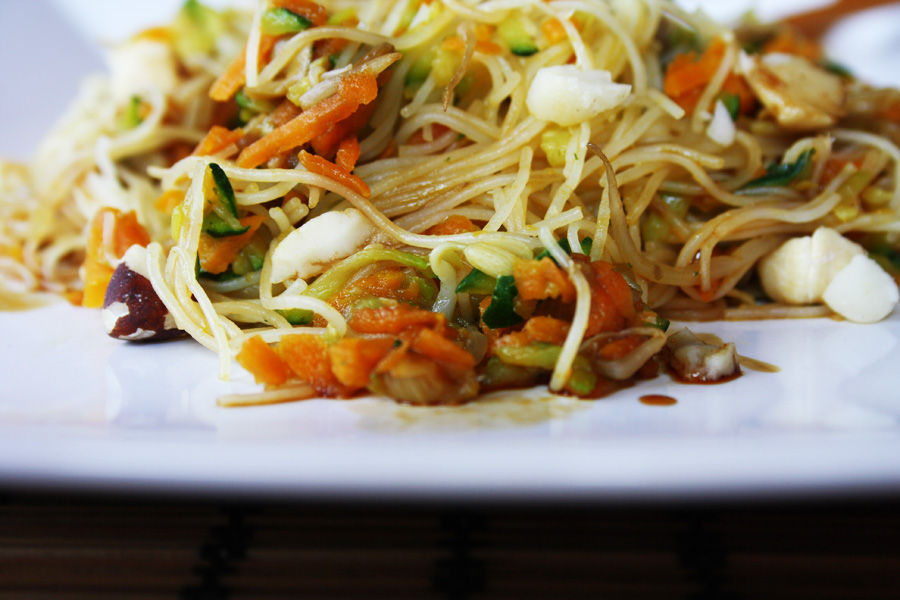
(420, 69)
(427, 290)
(222, 221)
(539, 355)
(196, 28)
(279, 21)
(500, 375)
(678, 40)
(659, 323)
(501, 312)
(476, 282)
(732, 104)
(342, 17)
(654, 228)
(255, 105)
(131, 118)
(563, 243)
(677, 205)
(251, 257)
(582, 382)
(838, 69)
(297, 316)
(586, 245)
(514, 31)
(783, 174)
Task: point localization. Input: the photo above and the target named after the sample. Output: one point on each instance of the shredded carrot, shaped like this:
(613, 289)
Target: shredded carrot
(456, 44)
(176, 152)
(354, 359)
(554, 31)
(433, 345)
(354, 90)
(169, 199)
(283, 113)
(388, 283)
(392, 319)
(542, 279)
(263, 362)
(687, 77)
(612, 301)
(234, 76)
(111, 234)
(216, 253)
(317, 164)
(547, 330)
(836, 163)
(326, 143)
(311, 11)
(452, 225)
(217, 139)
(348, 153)
(307, 356)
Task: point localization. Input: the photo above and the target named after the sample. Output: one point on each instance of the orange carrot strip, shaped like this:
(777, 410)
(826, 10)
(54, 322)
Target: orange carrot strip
(320, 166)
(215, 254)
(234, 76)
(430, 343)
(542, 279)
(354, 90)
(263, 362)
(217, 140)
(167, 202)
(307, 356)
(452, 225)
(554, 31)
(283, 113)
(354, 359)
(612, 301)
(348, 153)
(392, 319)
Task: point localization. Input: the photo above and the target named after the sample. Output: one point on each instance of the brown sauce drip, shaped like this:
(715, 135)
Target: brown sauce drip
(657, 400)
(758, 365)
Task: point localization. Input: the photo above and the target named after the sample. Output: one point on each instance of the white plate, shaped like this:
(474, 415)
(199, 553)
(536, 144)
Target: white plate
(79, 410)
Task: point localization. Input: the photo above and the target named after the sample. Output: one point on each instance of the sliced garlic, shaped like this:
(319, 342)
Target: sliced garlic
(800, 269)
(567, 95)
(862, 291)
(311, 248)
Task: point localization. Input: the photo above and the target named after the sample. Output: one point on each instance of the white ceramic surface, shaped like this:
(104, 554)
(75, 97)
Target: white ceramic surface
(81, 411)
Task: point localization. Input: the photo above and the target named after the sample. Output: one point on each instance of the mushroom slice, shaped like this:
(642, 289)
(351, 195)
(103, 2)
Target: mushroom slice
(132, 311)
(800, 94)
(696, 361)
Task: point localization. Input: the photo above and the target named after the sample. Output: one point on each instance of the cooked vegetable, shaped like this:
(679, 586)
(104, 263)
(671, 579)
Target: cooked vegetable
(784, 173)
(279, 21)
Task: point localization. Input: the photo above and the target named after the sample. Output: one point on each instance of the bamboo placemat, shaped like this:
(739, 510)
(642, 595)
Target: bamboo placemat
(52, 548)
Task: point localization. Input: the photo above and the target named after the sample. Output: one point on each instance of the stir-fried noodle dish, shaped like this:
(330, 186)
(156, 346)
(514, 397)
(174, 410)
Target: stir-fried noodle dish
(432, 200)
